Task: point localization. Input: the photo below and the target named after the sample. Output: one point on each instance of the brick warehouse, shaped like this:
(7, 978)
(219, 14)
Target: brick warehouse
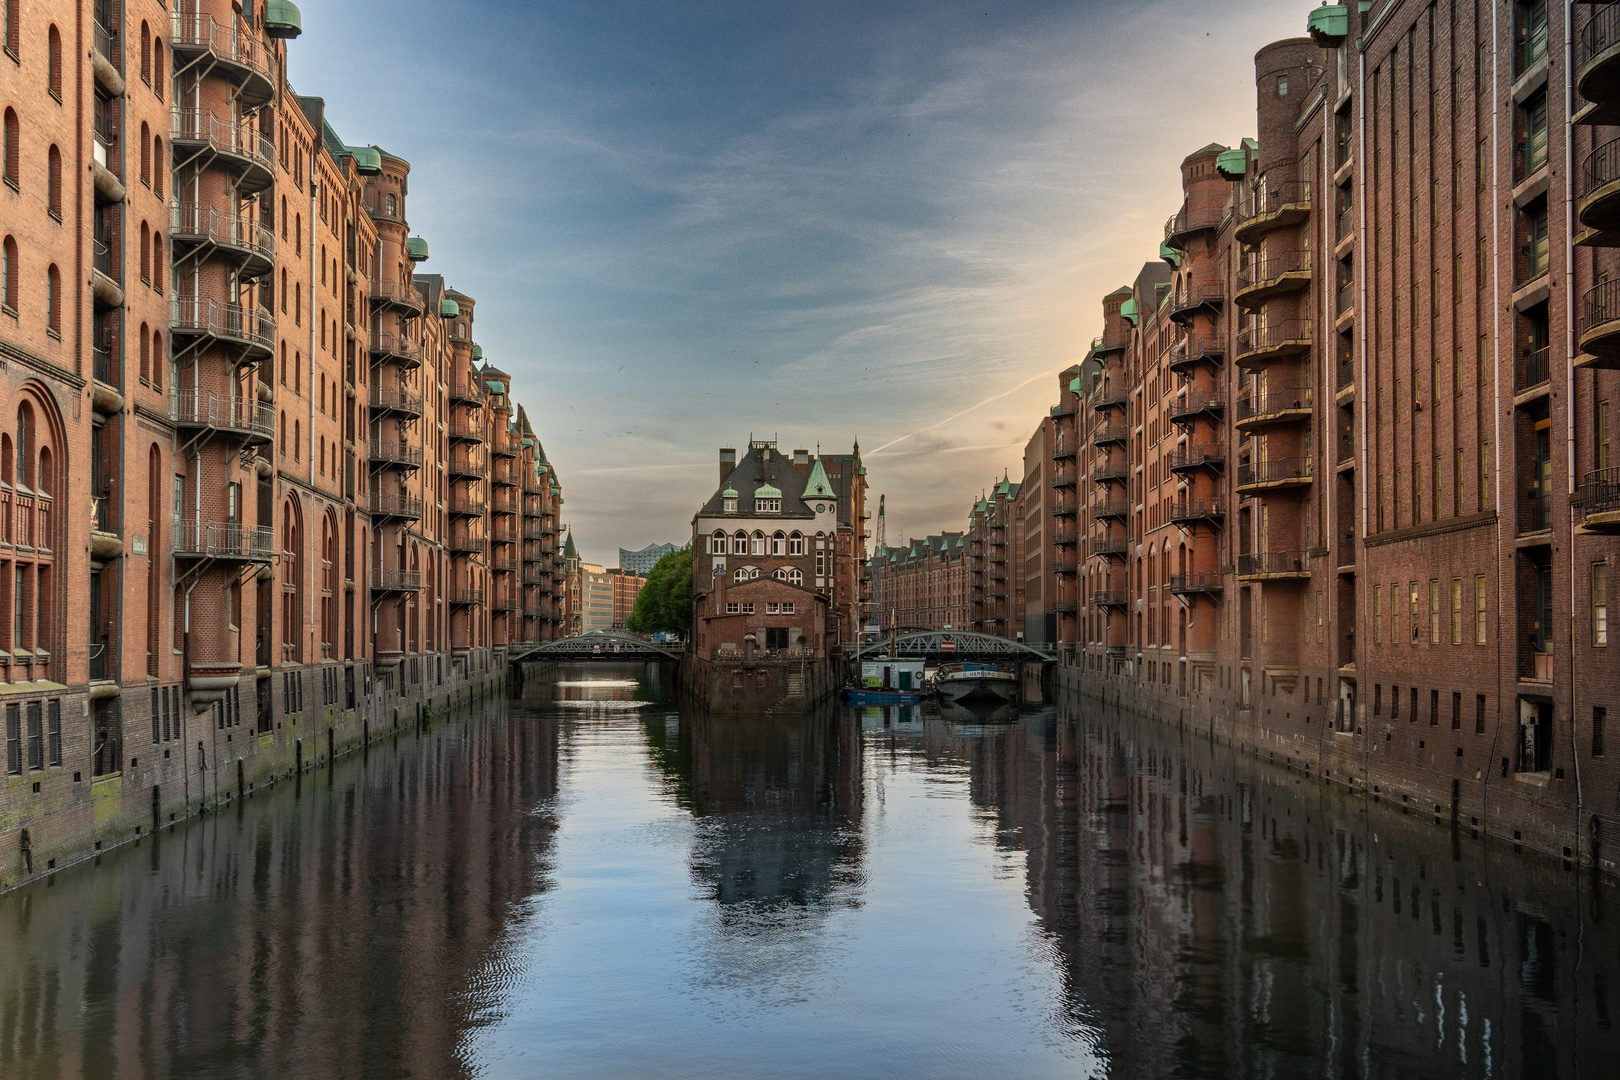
(1346, 442)
(306, 506)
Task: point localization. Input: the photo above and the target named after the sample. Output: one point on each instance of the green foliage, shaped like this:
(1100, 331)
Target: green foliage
(665, 601)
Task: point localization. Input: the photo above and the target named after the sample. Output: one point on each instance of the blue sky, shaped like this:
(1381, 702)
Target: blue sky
(689, 223)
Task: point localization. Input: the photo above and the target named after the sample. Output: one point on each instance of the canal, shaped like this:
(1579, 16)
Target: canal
(590, 882)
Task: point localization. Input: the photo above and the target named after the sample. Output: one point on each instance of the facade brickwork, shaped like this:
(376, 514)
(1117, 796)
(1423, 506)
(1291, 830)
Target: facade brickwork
(254, 473)
(1369, 505)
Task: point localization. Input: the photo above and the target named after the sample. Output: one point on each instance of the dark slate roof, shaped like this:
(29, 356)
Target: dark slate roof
(749, 475)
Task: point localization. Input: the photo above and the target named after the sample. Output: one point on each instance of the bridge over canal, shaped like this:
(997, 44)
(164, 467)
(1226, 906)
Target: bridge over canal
(618, 646)
(945, 646)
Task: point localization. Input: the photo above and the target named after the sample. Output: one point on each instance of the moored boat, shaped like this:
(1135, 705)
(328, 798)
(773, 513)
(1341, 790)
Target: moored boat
(976, 682)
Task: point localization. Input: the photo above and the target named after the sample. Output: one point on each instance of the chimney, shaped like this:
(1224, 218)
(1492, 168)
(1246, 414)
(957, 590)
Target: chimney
(801, 457)
(728, 461)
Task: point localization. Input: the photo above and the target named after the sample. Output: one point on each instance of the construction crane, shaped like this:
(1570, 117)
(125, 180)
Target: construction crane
(880, 551)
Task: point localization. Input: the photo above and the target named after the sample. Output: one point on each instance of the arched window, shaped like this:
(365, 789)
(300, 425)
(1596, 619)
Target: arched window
(146, 253)
(25, 443)
(53, 183)
(159, 165)
(159, 68)
(741, 575)
(779, 544)
(759, 543)
(284, 364)
(146, 154)
(796, 544)
(298, 437)
(781, 573)
(159, 359)
(157, 260)
(795, 577)
(146, 53)
(283, 432)
(8, 458)
(739, 544)
(717, 544)
(392, 205)
(54, 63)
(44, 480)
(8, 273)
(146, 354)
(10, 148)
(53, 300)
(284, 217)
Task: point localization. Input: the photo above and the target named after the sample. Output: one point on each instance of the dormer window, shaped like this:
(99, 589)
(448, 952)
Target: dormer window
(730, 506)
(728, 500)
(767, 506)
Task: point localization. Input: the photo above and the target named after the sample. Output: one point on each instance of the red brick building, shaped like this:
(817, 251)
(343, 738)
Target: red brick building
(922, 585)
(252, 466)
(1346, 442)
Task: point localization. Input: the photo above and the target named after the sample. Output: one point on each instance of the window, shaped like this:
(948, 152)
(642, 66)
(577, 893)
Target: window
(1533, 142)
(14, 757)
(146, 154)
(53, 62)
(13, 27)
(779, 544)
(1413, 607)
(759, 543)
(1479, 714)
(10, 149)
(36, 736)
(158, 67)
(796, 541)
(767, 506)
(1378, 614)
(795, 577)
(773, 608)
(1378, 699)
(53, 183)
(732, 607)
(748, 607)
(1599, 716)
(741, 575)
(1600, 433)
(1484, 473)
(53, 300)
(1600, 604)
(1456, 611)
(1456, 711)
(739, 544)
(1479, 609)
(717, 544)
(53, 731)
(1434, 708)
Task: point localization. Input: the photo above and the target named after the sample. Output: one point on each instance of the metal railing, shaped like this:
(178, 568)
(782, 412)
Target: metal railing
(195, 315)
(396, 453)
(404, 506)
(1194, 455)
(1600, 167)
(225, 136)
(466, 544)
(466, 465)
(396, 399)
(1116, 508)
(1196, 296)
(1203, 581)
(1263, 269)
(1064, 509)
(1600, 492)
(396, 345)
(467, 596)
(383, 210)
(1273, 401)
(468, 507)
(466, 390)
(1196, 509)
(396, 580)
(1601, 33)
(101, 257)
(106, 43)
(1110, 397)
(1600, 304)
(1535, 367)
(401, 293)
(224, 540)
(1275, 198)
(1538, 512)
(1275, 471)
(1110, 471)
(1196, 400)
(1111, 598)
(1111, 545)
(1189, 220)
(191, 33)
(200, 223)
(204, 408)
(1115, 431)
(1197, 347)
(1274, 562)
(101, 362)
(461, 429)
(1274, 335)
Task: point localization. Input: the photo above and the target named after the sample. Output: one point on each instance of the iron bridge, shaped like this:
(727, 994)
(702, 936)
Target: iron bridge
(613, 645)
(947, 645)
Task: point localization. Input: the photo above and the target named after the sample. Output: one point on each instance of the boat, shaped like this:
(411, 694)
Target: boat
(861, 695)
(975, 682)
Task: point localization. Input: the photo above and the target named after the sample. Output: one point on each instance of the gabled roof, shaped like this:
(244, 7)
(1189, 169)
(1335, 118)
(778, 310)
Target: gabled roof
(754, 477)
(818, 486)
(569, 550)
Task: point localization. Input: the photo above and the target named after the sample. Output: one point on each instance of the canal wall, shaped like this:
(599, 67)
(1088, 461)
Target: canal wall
(269, 728)
(1458, 774)
(771, 685)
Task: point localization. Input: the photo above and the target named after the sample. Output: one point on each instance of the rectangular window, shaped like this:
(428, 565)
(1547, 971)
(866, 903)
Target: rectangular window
(1414, 704)
(1600, 604)
(53, 730)
(1434, 611)
(1378, 614)
(36, 737)
(1456, 611)
(1394, 703)
(1533, 147)
(1479, 609)
(1484, 473)
(1479, 714)
(732, 607)
(1378, 699)
(787, 607)
(1456, 711)
(13, 740)
(1434, 708)
(748, 608)
(157, 717)
(1599, 715)
(1414, 611)
(773, 608)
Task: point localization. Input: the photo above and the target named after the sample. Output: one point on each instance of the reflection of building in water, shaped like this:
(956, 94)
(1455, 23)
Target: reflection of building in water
(1217, 918)
(777, 803)
(328, 934)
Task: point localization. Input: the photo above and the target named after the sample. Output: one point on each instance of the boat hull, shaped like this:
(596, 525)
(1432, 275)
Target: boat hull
(978, 688)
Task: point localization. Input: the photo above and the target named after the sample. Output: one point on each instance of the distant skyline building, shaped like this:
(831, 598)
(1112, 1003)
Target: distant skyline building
(640, 563)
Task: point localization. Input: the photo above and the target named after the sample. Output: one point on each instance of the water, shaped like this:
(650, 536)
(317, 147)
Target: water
(597, 885)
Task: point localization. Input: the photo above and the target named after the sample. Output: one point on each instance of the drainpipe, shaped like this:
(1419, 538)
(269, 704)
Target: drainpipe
(1496, 400)
(1569, 386)
(1365, 442)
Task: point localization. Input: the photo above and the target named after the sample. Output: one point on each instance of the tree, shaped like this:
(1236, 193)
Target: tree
(665, 601)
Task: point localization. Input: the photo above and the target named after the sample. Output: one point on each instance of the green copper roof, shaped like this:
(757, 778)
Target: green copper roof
(527, 442)
(281, 19)
(1232, 164)
(478, 352)
(569, 550)
(1170, 255)
(1130, 310)
(1329, 24)
(729, 493)
(416, 248)
(367, 159)
(818, 486)
(494, 387)
(767, 491)
(449, 308)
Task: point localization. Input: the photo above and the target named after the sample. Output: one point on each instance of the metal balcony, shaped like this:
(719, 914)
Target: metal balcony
(1065, 538)
(1114, 431)
(1273, 405)
(385, 581)
(1189, 222)
(1196, 349)
(1597, 63)
(1110, 398)
(1111, 508)
(1064, 479)
(254, 420)
(1111, 473)
(1279, 473)
(462, 431)
(1194, 298)
(224, 540)
(1111, 598)
(467, 465)
(466, 392)
(1278, 207)
(396, 506)
(1272, 275)
(466, 597)
(1600, 500)
(1598, 205)
(1191, 584)
(1197, 401)
(1111, 547)
(240, 147)
(1274, 566)
(394, 454)
(400, 296)
(1534, 368)
(225, 324)
(396, 400)
(466, 545)
(388, 347)
(1258, 346)
(1062, 452)
(1063, 510)
(199, 42)
(468, 507)
(1192, 511)
(1600, 324)
(249, 245)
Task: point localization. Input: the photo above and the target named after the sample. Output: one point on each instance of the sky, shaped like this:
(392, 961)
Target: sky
(691, 224)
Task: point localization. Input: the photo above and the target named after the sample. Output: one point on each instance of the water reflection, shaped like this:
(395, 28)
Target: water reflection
(599, 883)
(351, 928)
